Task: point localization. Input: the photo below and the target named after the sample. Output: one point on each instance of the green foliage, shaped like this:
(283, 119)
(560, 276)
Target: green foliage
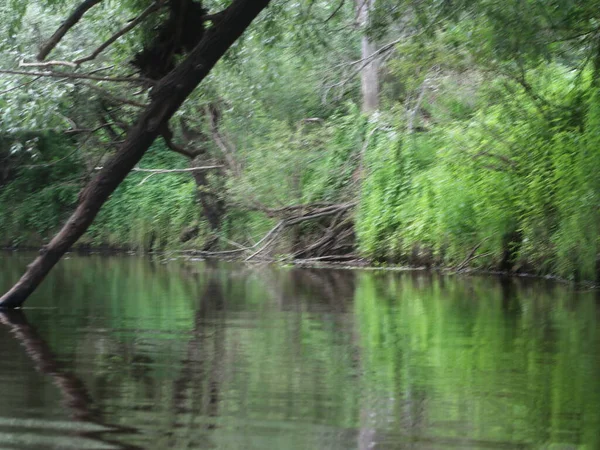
(43, 189)
(148, 212)
(514, 182)
(485, 143)
(432, 322)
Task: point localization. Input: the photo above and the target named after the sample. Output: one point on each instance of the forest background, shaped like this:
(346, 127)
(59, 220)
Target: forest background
(437, 133)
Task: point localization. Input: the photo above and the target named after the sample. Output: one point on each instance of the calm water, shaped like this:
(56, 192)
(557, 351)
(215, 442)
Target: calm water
(126, 353)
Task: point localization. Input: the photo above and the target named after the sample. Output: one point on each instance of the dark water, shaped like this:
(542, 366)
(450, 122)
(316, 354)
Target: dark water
(126, 353)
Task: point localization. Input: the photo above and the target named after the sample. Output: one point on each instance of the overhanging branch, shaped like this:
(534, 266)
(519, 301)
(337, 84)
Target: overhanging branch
(166, 98)
(69, 23)
(152, 8)
(77, 76)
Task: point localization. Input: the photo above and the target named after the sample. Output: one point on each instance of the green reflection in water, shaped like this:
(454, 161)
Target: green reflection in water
(198, 355)
(478, 361)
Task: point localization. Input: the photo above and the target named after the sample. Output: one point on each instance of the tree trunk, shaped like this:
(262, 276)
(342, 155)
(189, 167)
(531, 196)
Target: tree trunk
(370, 72)
(213, 207)
(166, 98)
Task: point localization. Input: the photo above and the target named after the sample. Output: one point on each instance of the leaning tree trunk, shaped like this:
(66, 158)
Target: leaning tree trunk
(167, 96)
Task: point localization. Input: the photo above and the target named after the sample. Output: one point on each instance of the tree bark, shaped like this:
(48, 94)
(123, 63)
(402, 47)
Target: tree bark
(167, 97)
(370, 72)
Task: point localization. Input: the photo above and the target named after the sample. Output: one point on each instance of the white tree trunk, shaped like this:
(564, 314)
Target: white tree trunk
(370, 72)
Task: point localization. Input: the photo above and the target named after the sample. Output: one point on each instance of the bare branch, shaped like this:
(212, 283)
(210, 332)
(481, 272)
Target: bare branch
(270, 237)
(69, 23)
(78, 76)
(22, 85)
(87, 130)
(114, 98)
(101, 69)
(380, 50)
(335, 11)
(469, 257)
(161, 171)
(167, 136)
(324, 212)
(152, 8)
(22, 63)
(155, 171)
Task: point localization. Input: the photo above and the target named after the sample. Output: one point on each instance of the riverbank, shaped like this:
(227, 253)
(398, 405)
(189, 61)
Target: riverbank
(361, 264)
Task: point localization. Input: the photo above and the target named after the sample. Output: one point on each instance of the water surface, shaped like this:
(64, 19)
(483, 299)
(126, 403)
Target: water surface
(130, 353)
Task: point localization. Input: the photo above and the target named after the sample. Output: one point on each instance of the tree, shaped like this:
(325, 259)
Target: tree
(370, 71)
(167, 95)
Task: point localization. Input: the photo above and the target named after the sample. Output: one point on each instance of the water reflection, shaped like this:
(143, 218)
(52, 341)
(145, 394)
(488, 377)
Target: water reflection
(75, 397)
(137, 354)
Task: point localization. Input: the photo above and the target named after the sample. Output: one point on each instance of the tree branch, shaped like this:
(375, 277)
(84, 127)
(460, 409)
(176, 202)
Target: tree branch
(22, 63)
(167, 136)
(214, 118)
(115, 99)
(166, 98)
(335, 11)
(22, 85)
(69, 23)
(152, 8)
(78, 76)
(270, 237)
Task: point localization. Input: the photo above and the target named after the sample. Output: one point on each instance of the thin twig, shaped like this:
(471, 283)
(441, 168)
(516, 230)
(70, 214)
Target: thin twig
(335, 11)
(114, 98)
(152, 8)
(22, 85)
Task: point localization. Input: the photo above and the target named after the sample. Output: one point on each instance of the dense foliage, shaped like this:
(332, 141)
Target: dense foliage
(483, 153)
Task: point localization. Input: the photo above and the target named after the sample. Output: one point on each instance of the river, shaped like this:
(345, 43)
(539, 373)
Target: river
(127, 352)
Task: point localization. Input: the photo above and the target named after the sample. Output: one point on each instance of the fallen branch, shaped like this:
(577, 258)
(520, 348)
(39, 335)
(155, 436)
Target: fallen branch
(167, 97)
(469, 257)
(320, 213)
(274, 232)
(269, 238)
